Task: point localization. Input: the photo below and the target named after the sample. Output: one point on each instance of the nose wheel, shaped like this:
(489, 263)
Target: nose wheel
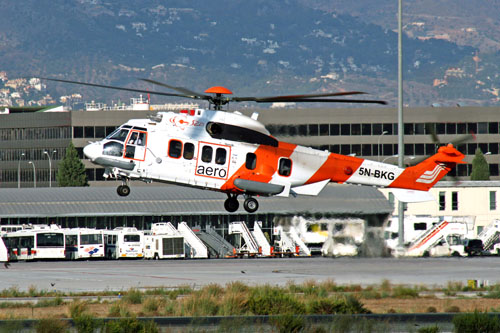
(123, 190)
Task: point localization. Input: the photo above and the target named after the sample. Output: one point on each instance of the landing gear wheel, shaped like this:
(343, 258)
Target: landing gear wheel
(231, 204)
(123, 190)
(251, 205)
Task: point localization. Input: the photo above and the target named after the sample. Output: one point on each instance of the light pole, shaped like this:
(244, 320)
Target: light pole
(50, 167)
(34, 173)
(378, 144)
(19, 171)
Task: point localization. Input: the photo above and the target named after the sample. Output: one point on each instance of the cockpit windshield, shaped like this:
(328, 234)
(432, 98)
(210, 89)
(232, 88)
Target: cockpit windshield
(113, 149)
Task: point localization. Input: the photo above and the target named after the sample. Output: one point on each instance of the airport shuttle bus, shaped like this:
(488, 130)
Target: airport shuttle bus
(84, 243)
(35, 244)
(124, 242)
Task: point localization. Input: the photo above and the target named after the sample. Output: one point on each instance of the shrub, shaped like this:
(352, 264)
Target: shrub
(289, 323)
(404, 292)
(130, 325)
(86, 323)
(453, 309)
(198, 305)
(77, 308)
(270, 301)
(431, 309)
(429, 329)
(151, 304)
(133, 296)
(476, 322)
(118, 309)
(51, 325)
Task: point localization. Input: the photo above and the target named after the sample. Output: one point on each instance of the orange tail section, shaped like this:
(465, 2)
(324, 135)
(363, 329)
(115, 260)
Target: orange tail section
(427, 173)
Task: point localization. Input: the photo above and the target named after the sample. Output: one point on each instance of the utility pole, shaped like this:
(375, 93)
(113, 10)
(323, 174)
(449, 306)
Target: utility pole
(401, 149)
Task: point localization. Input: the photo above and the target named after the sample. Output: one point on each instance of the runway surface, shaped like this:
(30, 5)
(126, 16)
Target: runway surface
(121, 275)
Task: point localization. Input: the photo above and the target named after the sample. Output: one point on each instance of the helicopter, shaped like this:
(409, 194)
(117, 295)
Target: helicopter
(230, 152)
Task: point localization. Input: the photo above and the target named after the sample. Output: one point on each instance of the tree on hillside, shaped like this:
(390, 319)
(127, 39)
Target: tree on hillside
(480, 168)
(71, 171)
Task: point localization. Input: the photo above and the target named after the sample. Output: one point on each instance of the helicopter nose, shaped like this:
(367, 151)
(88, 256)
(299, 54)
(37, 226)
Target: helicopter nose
(92, 151)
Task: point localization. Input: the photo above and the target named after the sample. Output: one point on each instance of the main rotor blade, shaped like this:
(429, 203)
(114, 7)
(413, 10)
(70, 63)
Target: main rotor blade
(116, 88)
(320, 100)
(288, 97)
(185, 91)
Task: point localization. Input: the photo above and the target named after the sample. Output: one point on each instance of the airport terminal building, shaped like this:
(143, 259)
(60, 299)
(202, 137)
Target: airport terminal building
(33, 144)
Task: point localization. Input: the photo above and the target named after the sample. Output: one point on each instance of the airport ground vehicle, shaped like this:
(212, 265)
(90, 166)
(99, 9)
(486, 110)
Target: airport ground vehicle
(473, 247)
(163, 242)
(35, 244)
(124, 242)
(84, 243)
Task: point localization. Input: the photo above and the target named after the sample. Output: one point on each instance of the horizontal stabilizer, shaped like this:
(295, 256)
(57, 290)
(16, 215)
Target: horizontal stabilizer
(405, 195)
(311, 189)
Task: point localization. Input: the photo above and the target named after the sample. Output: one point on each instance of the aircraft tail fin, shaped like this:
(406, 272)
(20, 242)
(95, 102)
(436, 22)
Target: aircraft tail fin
(427, 173)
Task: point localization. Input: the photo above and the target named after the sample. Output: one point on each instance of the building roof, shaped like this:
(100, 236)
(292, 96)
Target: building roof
(176, 200)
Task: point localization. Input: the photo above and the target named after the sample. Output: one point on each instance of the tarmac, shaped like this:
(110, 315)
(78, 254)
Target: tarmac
(85, 276)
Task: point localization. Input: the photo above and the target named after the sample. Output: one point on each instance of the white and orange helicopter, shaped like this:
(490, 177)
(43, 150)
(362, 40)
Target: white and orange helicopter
(232, 153)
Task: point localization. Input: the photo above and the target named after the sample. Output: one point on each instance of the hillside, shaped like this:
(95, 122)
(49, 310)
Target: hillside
(253, 48)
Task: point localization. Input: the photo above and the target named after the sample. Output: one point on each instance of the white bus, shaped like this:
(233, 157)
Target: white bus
(123, 242)
(35, 244)
(84, 243)
(6, 228)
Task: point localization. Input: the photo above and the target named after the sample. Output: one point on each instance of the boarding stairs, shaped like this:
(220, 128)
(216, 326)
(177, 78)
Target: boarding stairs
(303, 248)
(261, 239)
(216, 244)
(285, 245)
(250, 247)
(164, 228)
(490, 235)
(197, 248)
(424, 242)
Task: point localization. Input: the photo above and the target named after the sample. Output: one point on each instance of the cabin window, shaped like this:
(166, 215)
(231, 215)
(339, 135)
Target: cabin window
(175, 149)
(132, 238)
(220, 156)
(251, 161)
(420, 226)
(113, 149)
(206, 154)
(285, 167)
(188, 151)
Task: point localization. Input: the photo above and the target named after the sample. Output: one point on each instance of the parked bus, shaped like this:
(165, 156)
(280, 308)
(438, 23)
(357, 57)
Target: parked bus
(35, 244)
(124, 242)
(84, 243)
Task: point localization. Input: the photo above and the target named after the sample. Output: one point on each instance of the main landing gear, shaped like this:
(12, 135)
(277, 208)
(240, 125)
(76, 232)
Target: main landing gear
(231, 204)
(123, 190)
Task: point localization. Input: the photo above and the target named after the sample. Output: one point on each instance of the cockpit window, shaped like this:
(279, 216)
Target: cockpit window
(120, 134)
(113, 149)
